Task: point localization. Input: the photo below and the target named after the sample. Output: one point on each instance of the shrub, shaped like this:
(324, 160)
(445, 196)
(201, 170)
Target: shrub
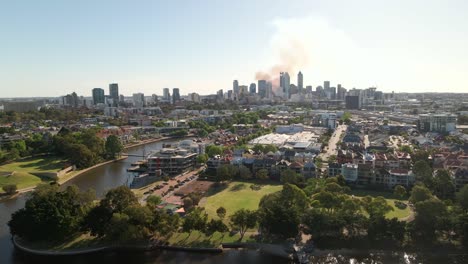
(10, 188)
(400, 205)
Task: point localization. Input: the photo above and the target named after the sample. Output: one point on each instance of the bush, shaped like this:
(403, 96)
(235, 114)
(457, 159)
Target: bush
(10, 188)
(255, 187)
(400, 205)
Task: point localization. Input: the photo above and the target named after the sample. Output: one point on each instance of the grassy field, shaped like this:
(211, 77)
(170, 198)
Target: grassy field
(22, 173)
(198, 239)
(390, 197)
(235, 196)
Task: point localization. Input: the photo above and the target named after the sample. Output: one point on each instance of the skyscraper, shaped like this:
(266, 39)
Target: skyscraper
(166, 95)
(269, 91)
(262, 88)
(284, 84)
(243, 89)
(235, 89)
(175, 95)
(300, 83)
(253, 88)
(98, 96)
(138, 100)
(114, 93)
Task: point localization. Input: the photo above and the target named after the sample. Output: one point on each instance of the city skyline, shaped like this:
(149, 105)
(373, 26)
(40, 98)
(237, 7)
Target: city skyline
(416, 46)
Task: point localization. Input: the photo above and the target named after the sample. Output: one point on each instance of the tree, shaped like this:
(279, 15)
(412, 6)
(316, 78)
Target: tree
(381, 229)
(202, 158)
(378, 207)
(332, 158)
(195, 220)
(420, 193)
(327, 200)
(10, 188)
(133, 224)
(49, 215)
(269, 148)
(290, 176)
(188, 204)
(221, 212)
(81, 156)
(430, 216)
(322, 223)
(244, 173)
(443, 185)
(462, 197)
(113, 146)
(280, 213)
(213, 150)
(216, 226)
(115, 202)
(119, 198)
(242, 220)
(224, 173)
(399, 192)
(262, 174)
(258, 148)
(153, 200)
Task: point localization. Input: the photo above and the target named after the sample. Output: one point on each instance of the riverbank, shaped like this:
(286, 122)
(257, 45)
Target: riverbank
(74, 174)
(21, 245)
(144, 142)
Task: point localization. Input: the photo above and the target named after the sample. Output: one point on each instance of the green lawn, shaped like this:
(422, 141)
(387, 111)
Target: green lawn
(23, 173)
(391, 198)
(235, 196)
(198, 239)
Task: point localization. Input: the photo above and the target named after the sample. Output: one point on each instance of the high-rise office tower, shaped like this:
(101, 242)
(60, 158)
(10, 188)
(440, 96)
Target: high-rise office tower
(300, 82)
(308, 89)
(285, 83)
(262, 88)
(98, 96)
(114, 93)
(166, 94)
(269, 90)
(341, 92)
(253, 88)
(175, 95)
(243, 89)
(138, 100)
(326, 85)
(235, 89)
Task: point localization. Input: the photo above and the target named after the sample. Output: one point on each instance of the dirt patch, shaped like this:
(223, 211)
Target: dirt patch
(194, 186)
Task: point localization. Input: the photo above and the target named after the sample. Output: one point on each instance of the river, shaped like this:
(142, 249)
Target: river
(114, 174)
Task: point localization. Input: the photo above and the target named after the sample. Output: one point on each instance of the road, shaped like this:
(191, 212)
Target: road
(331, 149)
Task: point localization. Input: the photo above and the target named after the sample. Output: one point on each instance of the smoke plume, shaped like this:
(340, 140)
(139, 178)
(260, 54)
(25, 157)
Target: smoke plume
(291, 55)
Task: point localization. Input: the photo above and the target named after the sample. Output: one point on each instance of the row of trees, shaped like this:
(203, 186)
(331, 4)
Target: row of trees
(83, 148)
(325, 210)
(53, 215)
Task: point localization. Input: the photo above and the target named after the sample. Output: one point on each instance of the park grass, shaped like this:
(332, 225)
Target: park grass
(198, 239)
(25, 173)
(237, 195)
(390, 198)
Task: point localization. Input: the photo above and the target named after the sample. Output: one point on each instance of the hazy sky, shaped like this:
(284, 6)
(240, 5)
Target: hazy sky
(51, 48)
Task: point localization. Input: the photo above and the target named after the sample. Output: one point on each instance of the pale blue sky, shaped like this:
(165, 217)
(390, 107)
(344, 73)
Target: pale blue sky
(50, 48)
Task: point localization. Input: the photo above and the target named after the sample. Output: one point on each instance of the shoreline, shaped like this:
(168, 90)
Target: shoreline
(274, 249)
(145, 247)
(148, 141)
(78, 173)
